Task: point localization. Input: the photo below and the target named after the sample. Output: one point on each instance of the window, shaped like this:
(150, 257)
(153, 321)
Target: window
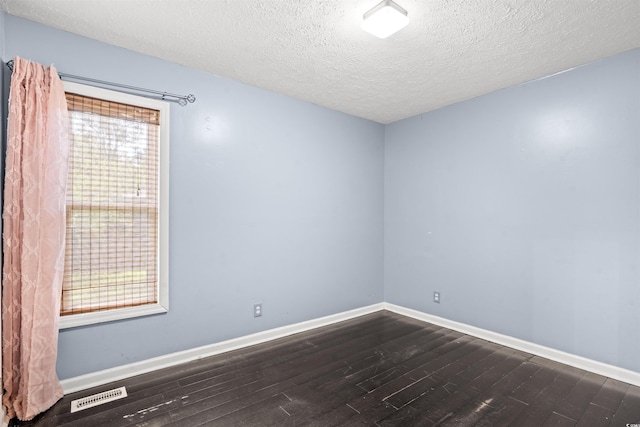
(116, 258)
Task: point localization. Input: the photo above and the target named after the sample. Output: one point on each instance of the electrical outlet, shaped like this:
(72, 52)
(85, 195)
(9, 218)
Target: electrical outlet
(436, 297)
(257, 310)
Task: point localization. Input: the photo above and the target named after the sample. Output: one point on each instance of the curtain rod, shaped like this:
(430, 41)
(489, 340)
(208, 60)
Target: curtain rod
(180, 99)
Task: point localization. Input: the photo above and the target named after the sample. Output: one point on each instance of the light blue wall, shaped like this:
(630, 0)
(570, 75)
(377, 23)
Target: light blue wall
(273, 200)
(522, 208)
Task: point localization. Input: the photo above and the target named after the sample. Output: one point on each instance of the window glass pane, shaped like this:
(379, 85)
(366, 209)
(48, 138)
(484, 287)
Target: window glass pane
(112, 206)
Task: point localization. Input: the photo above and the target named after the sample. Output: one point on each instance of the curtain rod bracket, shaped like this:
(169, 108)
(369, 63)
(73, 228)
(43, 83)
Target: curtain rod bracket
(180, 99)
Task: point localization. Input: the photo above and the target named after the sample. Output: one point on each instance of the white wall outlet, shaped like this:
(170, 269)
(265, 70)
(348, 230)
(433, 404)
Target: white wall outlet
(257, 310)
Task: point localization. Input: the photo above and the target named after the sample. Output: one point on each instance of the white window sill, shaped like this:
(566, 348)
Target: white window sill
(84, 319)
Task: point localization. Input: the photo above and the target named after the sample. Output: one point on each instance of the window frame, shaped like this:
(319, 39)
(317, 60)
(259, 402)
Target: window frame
(162, 306)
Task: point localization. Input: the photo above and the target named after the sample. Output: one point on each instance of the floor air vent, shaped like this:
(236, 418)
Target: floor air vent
(98, 399)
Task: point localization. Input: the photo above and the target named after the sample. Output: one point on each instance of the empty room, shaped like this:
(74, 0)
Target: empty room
(288, 213)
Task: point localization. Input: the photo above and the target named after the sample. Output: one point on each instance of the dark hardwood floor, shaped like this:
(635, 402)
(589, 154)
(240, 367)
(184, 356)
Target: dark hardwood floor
(382, 369)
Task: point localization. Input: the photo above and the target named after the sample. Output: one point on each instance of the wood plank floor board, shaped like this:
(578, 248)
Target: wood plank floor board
(578, 399)
(275, 417)
(595, 416)
(493, 367)
(208, 410)
(629, 410)
(388, 356)
(433, 402)
(503, 414)
(442, 408)
(469, 415)
(540, 380)
(302, 343)
(429, 404)
(468, 402)
(338, 386)
(324, 393)
(503, 408)
(322, 403)
(515, 380)
(547, 400)
(332, 385)
(413, 391)
(324, 359)
(381, 369)
(440, 357)
(211, 414)
(442, 377)
(341, 415)
(312, 400)
(370, 409)
(268, 411)
(226, 400)
(265, 356)
(479, 351)
(220, 385)
(373, 406)
(610, 394)
(383, 384)
(428, 367)
(455, 390)
(409, 416)
(559, 420)
(189, 372)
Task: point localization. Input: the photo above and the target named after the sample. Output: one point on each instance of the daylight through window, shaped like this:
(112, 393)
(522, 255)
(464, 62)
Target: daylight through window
(113, 191)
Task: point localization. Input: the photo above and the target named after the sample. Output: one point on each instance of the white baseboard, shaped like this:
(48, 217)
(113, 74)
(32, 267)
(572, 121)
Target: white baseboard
(94, 379)
(600, 368)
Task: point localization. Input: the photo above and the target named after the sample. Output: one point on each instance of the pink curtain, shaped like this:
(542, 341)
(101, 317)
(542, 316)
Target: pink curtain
(33, 239)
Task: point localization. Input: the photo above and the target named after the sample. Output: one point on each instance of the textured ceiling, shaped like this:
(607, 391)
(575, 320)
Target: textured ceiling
(314, 50)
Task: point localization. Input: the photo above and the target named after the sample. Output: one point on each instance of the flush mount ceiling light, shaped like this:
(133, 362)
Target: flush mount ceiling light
(385, 19)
